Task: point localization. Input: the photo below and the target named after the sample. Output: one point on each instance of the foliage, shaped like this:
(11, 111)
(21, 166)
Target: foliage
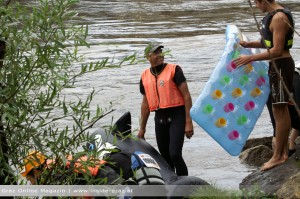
(213, 192)
(42, 49)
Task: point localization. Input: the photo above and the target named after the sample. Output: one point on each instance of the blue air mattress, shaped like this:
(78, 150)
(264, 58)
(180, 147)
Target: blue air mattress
(233, 98)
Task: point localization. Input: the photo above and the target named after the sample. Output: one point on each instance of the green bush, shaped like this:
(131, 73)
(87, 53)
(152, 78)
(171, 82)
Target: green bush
(40, 46)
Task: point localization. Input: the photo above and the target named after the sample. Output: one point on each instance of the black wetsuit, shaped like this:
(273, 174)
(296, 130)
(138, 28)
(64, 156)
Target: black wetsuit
(170, 128)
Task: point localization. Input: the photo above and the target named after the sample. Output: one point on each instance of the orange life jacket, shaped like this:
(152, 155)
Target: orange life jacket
(82, 164)
(161, 91)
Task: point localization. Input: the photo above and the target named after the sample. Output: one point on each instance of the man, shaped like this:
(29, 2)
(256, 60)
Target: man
(165, 91)
(277, 36)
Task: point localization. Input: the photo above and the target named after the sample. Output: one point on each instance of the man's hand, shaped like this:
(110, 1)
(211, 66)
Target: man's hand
(242, 60)
(244, 44)
(189, 129)
(141, 134)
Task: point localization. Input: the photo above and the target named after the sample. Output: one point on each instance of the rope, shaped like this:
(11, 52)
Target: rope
(272, 58)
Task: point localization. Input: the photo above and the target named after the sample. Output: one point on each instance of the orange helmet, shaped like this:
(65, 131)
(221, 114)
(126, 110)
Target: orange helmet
(31, 161)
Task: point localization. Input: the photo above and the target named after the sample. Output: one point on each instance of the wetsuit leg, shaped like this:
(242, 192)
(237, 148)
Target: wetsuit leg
(176, 132)
(295, 118)
(269, 106)
(296, 86)
(169, 128)
(163, 141)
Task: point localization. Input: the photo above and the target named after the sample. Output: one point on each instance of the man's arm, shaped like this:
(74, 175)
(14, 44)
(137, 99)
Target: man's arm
(145, 112)
(251, 44)
(183, 87)
(279, 28)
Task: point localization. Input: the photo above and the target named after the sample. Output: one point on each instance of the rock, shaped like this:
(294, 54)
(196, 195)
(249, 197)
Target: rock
(271, 181)
(297, 153)
(267, 141)
(291, 188)
(256, 156)
(257, 151)
(282, 181)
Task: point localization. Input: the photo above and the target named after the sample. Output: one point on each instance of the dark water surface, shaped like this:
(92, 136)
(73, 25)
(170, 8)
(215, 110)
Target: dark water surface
(194, 32)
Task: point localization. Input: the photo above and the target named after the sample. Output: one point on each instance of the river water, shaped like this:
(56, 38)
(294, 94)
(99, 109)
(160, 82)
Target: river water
(194, 32)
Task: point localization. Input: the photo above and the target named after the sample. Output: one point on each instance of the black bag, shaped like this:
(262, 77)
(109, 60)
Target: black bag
(145, 169)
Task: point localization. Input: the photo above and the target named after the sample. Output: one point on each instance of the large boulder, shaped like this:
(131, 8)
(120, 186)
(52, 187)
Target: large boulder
(282, 181)
(271, 181)
(256, 156)
(291, 188)
(256, 151)
(266, 141)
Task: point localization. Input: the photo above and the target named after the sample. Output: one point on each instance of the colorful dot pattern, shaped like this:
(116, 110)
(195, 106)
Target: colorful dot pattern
(233, 98)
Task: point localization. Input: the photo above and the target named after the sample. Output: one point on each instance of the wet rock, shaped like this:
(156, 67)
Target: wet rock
(267, 141)
(256, 156)
(297, 153)
(282, 181)
(270, 181)
(291, 188)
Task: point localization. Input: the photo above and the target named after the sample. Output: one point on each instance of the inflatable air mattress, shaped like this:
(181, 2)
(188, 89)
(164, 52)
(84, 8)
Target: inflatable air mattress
(233, 98)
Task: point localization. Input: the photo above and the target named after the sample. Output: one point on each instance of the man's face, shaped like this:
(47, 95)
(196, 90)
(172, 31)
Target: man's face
(156, 58)
(261, 5)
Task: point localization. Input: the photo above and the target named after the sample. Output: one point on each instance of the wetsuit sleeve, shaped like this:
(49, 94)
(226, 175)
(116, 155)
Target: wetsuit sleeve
(142, 89)
(179, 76)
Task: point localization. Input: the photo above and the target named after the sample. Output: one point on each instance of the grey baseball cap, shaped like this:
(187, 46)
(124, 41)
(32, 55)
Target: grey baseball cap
(151, 47)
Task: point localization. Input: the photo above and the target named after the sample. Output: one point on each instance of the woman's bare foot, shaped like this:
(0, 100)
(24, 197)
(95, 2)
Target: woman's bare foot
(272, 163)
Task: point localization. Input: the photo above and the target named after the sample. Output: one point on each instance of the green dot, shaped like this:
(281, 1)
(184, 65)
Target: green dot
(262, 72)
(242, 120)
(244, 80)
(208, 109)
(235, 54)
(225, 80)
